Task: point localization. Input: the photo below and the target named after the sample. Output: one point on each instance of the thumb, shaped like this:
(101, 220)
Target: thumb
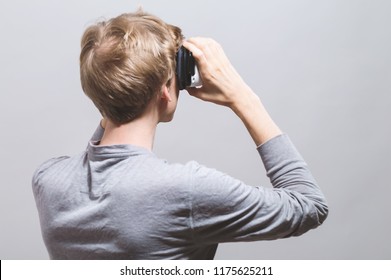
(196, 92)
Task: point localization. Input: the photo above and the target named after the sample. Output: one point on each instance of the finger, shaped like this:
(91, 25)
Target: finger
(197, 53)
(198, 41)
(212, 51)
(205, 45)
(196, 92)
(201, 60)
(201, 42)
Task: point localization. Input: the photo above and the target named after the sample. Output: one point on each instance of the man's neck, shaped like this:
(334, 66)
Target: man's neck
(140, 132)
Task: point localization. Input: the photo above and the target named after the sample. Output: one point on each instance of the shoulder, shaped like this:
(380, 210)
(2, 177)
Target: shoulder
(181, 177)
(52, 168)
(194, 172)
(208, 183)
(48, 164)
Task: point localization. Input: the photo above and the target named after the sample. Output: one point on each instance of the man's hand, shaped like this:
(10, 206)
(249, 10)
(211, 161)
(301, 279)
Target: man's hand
(221, 84)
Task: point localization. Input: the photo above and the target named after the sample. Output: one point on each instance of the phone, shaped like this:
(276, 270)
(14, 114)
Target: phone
(186, 69)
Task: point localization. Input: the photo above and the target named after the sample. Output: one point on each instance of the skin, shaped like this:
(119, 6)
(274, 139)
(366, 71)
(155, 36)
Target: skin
(222, 85)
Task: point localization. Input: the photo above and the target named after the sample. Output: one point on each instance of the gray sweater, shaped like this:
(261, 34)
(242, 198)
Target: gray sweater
(123, 202)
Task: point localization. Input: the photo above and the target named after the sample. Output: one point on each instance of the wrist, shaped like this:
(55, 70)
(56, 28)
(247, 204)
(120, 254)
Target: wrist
(256, 119)
(246, 102)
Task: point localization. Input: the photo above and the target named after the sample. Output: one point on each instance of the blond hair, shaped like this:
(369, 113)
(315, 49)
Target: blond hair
(125, 61)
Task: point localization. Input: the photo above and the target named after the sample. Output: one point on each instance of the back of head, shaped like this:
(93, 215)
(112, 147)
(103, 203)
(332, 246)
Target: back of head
(125, 61)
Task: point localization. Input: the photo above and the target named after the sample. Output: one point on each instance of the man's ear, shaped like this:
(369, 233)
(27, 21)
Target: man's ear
(166, 96)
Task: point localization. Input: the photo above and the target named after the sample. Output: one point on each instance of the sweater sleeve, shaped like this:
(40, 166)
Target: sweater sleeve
(227, 210)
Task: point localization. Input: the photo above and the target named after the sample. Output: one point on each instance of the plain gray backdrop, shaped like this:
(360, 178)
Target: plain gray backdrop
(322, 69)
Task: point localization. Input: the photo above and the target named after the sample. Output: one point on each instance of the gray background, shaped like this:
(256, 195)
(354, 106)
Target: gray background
(322, 68)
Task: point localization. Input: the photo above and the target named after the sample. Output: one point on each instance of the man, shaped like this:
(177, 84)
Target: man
(117, 200)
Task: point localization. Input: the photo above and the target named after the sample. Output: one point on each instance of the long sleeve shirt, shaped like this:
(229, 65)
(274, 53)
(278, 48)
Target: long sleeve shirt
(123, 202)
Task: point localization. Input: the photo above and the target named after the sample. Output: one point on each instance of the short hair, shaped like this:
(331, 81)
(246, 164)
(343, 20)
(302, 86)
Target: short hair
(125, 61)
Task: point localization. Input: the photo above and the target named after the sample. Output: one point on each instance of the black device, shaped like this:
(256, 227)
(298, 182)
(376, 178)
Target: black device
(186, 69)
